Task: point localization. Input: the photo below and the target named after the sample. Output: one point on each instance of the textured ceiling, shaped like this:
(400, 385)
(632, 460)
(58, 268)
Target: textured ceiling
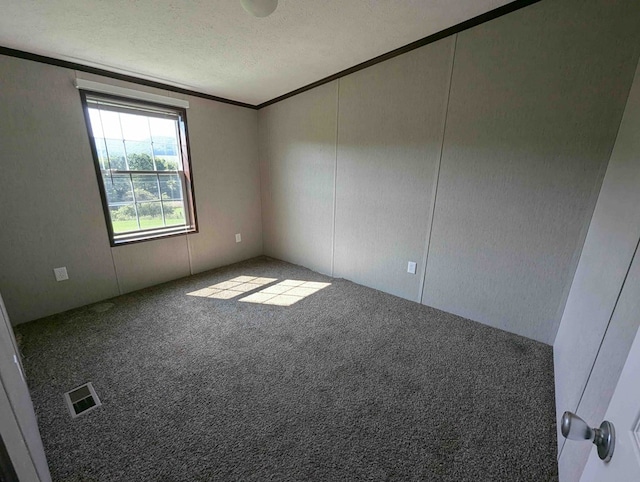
(215, 47)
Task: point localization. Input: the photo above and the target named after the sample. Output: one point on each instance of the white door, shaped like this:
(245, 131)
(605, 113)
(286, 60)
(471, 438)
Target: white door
(602, 312)
(624, 413)
(18, 426)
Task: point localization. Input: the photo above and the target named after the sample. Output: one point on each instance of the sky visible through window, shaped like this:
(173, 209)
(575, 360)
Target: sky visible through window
(106, 124)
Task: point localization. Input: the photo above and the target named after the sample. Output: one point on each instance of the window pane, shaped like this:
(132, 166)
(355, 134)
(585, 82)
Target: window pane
(167, 163)
(140, 159)
(115, 149)
(171, 187)
(96, 123)
(150, 214)
(174, 213)
(110, 124)
(123, 218)
(162, 129)
(165, 144)
(166, 148)
(135, 127)
(101, 150)
(118, 189)
(146, 187)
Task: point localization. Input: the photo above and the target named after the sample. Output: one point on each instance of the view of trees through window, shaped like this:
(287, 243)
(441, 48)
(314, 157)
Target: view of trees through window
(141, 168)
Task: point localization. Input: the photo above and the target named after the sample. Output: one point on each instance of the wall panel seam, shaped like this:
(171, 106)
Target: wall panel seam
(258, 154)
(335, 181)
(189, 254)
(115, 271)
(434, 196)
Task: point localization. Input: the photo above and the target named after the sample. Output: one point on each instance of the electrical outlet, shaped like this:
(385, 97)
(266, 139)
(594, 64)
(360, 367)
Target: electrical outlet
(61, 274)
(238, 238)
(411, 267)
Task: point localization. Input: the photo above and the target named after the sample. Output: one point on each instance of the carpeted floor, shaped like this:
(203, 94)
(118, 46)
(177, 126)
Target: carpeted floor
(347, 384)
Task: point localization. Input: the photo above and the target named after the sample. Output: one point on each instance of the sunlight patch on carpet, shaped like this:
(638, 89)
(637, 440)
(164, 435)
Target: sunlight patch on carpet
(233, 287)
(285, 293)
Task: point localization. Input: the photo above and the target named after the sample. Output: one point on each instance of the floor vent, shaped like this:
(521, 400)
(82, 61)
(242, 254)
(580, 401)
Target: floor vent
(82, 400)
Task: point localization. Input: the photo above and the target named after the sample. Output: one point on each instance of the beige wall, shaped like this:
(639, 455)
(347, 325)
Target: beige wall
(51, 213)
(390, 126)
(533, 108)
(297, 163)
(536, 100)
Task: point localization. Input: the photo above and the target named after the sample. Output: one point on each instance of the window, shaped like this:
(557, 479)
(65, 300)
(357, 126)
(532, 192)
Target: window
(142, 160)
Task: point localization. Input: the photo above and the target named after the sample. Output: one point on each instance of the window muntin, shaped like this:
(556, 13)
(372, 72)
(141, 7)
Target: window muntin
(141, 155)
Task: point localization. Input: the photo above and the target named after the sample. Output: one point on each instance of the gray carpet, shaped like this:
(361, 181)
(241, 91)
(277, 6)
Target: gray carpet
(347, 384)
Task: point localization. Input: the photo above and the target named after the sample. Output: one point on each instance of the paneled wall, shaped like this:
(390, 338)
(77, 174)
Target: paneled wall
(390, 125)
(51, 213)
(479, 157)
(536, 100)
(298, 161)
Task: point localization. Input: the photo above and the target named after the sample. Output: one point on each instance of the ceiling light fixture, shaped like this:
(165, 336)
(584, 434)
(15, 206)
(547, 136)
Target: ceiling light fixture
(259, 8)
